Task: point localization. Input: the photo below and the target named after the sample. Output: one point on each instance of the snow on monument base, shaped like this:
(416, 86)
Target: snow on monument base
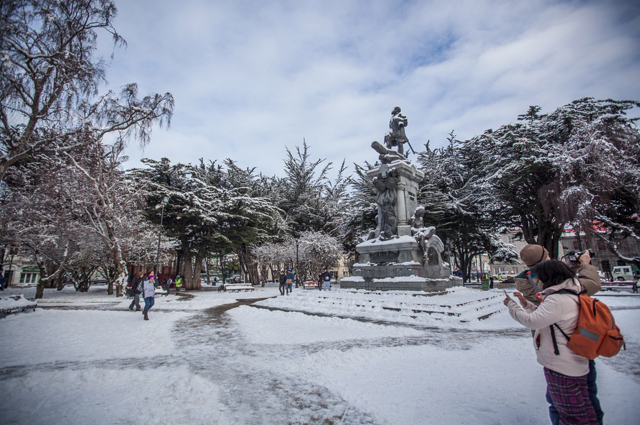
(407, 283)
(397, 264)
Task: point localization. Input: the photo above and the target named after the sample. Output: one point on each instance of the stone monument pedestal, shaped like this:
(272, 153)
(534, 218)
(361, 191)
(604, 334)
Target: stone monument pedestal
(397, 264)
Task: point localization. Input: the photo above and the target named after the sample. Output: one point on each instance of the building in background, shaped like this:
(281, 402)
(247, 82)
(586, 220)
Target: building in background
(604, 259)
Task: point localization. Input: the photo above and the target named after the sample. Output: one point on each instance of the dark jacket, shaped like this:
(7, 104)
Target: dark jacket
(135, 283)
(587, 276)
(325, 276)
(283, 279)
(290, 276)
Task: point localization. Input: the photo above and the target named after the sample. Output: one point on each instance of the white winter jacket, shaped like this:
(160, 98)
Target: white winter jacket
(148, 289)
(562, 309)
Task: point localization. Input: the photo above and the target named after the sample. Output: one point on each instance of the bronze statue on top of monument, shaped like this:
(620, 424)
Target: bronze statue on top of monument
(397, 137)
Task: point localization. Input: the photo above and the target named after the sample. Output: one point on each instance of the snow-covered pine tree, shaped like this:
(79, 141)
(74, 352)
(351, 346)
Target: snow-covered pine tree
(360, 217)
(304, 187)
(459, 203)
(574, 165)
(205, 213)
(595, 148)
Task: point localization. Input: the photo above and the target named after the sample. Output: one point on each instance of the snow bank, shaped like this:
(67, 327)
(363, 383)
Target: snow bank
(49, 336)
(14, 302)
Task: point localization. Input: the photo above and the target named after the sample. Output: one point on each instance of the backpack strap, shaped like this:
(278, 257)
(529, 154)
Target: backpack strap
(528, 274)
(553, 334)
(553, 337)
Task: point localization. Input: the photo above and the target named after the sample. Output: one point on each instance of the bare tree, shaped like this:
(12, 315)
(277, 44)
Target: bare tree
(49, 78)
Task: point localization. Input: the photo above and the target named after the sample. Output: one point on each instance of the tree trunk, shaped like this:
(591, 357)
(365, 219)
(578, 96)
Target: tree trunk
(250, 266)
(43, 281)
(264, 271)
(196, 272)
(528, 229)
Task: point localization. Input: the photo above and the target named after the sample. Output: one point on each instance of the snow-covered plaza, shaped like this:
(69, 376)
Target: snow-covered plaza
(339, 357)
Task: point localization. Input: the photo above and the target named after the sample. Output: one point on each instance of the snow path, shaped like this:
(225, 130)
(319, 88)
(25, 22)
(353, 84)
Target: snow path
(251, 394)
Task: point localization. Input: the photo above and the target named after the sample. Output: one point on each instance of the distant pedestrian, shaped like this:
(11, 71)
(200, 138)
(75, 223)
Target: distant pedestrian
(178, 283)
(325, 277)
(1, 279)
(149, 293)
(283, 282)
(289, 280)
(168, 282)
(136, 289)
(153, 276)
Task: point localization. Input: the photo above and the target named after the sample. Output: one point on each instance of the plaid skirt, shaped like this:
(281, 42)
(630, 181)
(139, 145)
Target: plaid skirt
(571, 398)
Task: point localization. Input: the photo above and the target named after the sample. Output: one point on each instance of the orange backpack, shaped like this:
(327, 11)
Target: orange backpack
(597, 333)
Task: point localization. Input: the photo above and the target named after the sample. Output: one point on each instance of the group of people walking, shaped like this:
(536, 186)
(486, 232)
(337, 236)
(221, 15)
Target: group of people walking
(547, 297)
(146, 285)
(286, 282)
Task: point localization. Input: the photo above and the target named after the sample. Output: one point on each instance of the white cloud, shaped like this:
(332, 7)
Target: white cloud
(250, 78)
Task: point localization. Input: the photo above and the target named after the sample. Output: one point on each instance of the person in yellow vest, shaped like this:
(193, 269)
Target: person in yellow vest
(178, 283)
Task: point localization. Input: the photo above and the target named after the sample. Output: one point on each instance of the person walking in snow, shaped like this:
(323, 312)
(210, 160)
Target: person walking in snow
(149, 293)
(136, 288)
(325, 278)
(178, 283)
(566, 372)
(289, 280)
(152, 276)
(1, 279)
(283, 282)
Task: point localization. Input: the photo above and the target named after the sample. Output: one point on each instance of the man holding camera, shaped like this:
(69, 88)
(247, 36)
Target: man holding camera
(527, 281)
(528, 284)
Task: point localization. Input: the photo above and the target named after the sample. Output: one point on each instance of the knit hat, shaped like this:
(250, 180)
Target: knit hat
(533, 254)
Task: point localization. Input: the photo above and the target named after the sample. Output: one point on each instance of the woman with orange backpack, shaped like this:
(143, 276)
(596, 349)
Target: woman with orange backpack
(565, 371)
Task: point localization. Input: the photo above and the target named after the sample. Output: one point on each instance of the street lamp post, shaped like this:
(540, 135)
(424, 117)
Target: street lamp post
(297, 263)
(165, 201)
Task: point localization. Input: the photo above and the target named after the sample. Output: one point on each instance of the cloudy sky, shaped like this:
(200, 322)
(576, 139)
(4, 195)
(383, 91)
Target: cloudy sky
(252, 77)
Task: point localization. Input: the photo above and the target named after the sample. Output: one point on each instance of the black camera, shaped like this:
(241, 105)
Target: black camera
(575, 254)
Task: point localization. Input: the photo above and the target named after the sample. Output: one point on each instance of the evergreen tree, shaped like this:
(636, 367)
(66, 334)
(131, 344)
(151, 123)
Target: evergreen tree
(571, 166)
(460, 205)
(206, 212)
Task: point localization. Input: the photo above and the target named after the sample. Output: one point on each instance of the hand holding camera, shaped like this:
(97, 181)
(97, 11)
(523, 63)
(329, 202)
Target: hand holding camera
(582, 257)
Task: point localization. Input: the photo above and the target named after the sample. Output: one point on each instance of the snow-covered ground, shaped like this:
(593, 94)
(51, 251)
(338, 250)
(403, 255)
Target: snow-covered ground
(339, 357)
